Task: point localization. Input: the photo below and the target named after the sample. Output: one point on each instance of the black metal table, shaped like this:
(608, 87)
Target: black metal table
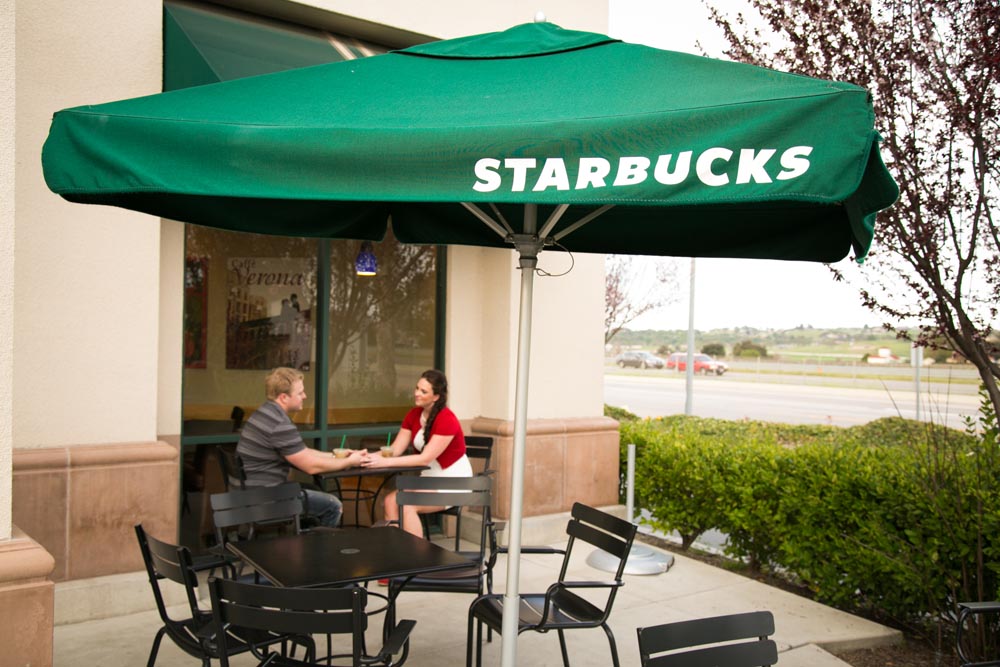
(345, 556)
(359, 493)
(335, 557)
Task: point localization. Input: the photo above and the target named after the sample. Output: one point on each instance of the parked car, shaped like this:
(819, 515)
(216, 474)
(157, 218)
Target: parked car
(702, 363)
(639, 360)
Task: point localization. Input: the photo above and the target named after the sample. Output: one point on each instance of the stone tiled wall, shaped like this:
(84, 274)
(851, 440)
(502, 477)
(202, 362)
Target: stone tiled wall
(566, 460)
(80, 503)
(26, 601)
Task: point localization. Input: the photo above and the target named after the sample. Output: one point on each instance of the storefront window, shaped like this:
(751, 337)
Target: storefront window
(253, 302)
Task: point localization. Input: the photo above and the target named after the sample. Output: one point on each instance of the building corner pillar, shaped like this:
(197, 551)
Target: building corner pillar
(27, 601)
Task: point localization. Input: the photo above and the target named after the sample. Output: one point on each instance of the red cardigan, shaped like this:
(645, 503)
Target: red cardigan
(446, 423)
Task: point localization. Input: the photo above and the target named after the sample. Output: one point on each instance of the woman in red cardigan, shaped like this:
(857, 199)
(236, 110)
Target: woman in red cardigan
(443, 450)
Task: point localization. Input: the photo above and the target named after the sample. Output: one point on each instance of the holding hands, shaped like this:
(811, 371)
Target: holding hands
(375, 460)
(352, 457)
(362, 458)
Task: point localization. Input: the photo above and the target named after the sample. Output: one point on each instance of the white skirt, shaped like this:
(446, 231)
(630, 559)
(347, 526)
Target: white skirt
(460, 468)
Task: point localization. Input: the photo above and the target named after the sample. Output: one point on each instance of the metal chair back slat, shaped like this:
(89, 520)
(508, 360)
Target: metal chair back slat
(460, 493)
(747, 634)
(327, 611)
(256, 506)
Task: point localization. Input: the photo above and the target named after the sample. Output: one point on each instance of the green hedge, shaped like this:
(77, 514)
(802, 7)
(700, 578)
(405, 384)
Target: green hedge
(896, 519)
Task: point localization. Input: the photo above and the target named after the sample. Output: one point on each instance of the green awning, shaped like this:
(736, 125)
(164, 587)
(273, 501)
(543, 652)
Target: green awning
(203, 44)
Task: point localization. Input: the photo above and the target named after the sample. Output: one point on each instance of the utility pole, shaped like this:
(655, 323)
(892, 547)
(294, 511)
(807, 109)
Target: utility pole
(917, 361)
(689, 376)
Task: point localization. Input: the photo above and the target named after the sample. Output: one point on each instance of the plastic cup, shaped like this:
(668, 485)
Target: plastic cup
(341, 453)
(387, 451)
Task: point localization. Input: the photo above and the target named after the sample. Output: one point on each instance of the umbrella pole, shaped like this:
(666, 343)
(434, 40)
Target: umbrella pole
(528, 246)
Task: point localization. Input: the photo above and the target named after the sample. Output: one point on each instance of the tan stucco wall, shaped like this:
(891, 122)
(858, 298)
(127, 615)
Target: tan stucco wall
(484, 295)
(7, 41)
(567, 352)
(86, 278)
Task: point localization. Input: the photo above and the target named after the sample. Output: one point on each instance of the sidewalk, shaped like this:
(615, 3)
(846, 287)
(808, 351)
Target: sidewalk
(690, 589)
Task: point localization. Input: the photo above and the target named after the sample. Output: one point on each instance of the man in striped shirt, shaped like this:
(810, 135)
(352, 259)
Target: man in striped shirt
(270, 445)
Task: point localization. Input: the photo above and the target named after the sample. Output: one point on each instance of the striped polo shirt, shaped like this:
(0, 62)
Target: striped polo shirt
(266, 439)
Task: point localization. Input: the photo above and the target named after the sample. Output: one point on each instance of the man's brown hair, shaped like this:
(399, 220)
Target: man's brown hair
(280, 381)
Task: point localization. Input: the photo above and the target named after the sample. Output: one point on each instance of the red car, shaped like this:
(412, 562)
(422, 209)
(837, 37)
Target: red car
(702, 363)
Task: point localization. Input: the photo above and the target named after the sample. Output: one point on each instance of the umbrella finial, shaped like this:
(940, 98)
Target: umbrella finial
(540, 17)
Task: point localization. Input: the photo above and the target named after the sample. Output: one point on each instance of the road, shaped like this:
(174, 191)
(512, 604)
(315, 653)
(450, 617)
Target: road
(728, 397)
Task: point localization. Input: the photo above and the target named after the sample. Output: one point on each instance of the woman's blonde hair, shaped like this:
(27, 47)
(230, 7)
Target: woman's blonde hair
(280, 381)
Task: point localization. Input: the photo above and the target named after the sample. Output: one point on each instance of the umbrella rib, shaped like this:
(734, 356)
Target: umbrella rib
(553, 219)
(503, 220)
(581, 222)
(486, 219)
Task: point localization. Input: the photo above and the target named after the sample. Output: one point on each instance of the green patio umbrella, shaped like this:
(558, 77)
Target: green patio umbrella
(533, 137)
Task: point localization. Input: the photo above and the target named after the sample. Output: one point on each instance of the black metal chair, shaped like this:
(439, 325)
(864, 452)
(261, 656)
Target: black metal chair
(479, 449)
(459, 493)
(560, 608)
(192, 634)
(663, 645)
(241, 514)
(233, 477)
(231, 466)
(326, 611)
(254, 507)
(983, 620)
(496, 549)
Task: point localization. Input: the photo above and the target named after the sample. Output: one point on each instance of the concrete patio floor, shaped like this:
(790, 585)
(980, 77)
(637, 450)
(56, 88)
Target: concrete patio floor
(690, 589)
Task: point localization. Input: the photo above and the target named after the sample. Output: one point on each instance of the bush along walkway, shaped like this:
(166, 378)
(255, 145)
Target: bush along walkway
(895, 520)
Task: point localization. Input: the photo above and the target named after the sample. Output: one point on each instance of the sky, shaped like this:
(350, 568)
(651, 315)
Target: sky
(731, 292)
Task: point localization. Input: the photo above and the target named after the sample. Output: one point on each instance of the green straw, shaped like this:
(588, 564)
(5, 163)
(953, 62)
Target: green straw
(388, 439)
(343, 439)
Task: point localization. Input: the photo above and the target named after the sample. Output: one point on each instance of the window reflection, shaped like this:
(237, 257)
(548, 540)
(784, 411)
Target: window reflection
(259, 299)
(382, 330)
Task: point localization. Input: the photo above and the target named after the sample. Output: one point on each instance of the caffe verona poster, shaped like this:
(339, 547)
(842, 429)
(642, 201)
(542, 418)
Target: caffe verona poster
(269, 312)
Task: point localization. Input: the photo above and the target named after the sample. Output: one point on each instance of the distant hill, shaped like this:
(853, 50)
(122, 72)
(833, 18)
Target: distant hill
(854, 342)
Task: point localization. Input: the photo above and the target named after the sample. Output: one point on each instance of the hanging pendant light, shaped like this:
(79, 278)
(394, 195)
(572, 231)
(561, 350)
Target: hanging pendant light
(365, 264)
